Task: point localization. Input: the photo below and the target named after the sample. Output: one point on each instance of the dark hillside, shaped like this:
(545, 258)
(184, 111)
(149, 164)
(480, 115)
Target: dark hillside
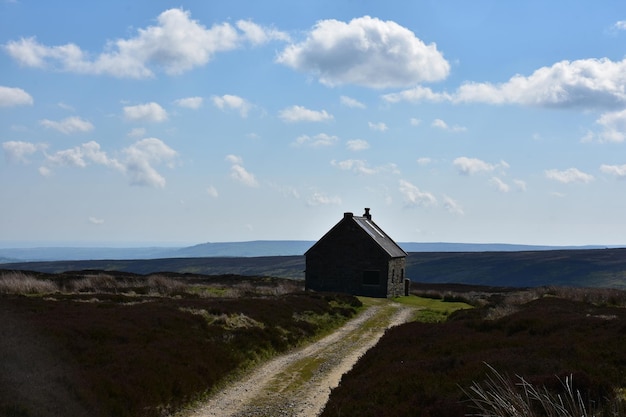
(578, 268)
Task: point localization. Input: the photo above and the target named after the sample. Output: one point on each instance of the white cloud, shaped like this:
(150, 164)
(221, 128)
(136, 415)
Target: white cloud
(137, 163)
(190, 102)
(365, 51)
(618, 171)
(585, 83)
(12, 96)
(380, 127)
(613, 128)
(316, 141)
(18, 151)
(234, 159)
(567, 176)
(81, 156)
(212, 191)
(228, 101)
(424, 161)
(301, 114)
(618, 26)
(140, 158)
(520, 185)
(350, 102)
(452, 206)
(68, 125)
(258, 35)
(471, 166)
(414, 197)
(417, 94)
(148, 112)
(95, 220)
(175, 44)
(321, 199)
(440, 124)
(137, 132)
(239, 173)
(499, 185)
(415, 121)
(357, 145)
(359, 166)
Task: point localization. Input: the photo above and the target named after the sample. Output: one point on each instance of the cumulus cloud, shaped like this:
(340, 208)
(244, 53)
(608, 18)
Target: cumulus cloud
(500, 185)
(175, 44)
(417, 94)
(380, 127)
(12, 96)
(452, 206)
(618, 171)
(18, 151)
(359, 166)
(239, 173)
(68, 125)
(365, 51)
(316, 141)
(414, 197)
(613, 128)
(190, 102)
(258, 35)
(570, 175)
(148, 112)
(95, 220)
(295, 114)
(137, 161)
(440, 124)
(471, 166)
(415, 121)
(141, 158)
(212, 191)
(423, 161)
(350, 102)
(357, 145)
(520, 185)
(229, 101)
(585, 83)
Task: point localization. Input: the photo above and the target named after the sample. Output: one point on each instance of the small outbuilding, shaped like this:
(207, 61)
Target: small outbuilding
(357, 257)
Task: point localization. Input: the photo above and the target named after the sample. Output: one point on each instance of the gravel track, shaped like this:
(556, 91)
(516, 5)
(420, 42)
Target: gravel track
(298, 384)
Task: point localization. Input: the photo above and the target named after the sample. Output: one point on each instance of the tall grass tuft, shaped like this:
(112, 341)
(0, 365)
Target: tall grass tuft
(500, 396)
(16, 282)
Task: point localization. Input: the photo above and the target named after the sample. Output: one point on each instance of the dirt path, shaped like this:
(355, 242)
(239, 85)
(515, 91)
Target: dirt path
(298, 384)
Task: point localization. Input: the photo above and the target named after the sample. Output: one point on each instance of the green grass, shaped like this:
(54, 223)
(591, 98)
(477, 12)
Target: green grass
(429, 310)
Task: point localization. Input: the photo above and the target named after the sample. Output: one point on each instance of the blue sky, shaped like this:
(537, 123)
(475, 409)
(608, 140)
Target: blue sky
(188, 122)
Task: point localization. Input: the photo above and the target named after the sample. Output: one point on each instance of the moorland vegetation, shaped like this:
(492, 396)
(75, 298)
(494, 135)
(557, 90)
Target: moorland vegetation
(549, 351)
(122, 344)
(119, 344)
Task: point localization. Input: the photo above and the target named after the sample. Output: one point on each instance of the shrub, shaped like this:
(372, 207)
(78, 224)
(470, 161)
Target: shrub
(21, 283)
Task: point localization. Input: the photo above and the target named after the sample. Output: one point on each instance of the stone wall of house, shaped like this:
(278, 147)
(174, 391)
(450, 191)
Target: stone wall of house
(395, 278)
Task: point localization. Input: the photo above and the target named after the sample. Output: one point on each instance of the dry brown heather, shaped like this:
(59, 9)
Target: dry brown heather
(113, 344)
(542, 336)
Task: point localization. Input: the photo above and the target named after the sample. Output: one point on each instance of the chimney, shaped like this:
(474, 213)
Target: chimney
(347, 215)
(367, 214)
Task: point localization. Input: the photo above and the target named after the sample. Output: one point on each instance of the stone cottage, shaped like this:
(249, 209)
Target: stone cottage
(357, 257)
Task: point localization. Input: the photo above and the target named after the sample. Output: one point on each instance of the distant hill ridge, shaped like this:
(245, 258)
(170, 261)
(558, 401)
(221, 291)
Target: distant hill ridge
(255, 248)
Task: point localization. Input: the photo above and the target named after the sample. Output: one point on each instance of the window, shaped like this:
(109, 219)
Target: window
(371, 278)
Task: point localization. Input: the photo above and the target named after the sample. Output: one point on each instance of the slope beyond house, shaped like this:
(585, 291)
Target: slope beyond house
(357, 257)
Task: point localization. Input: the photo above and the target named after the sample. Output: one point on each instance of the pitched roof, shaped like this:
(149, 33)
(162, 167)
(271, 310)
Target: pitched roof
(380, 237)
(376, 233)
